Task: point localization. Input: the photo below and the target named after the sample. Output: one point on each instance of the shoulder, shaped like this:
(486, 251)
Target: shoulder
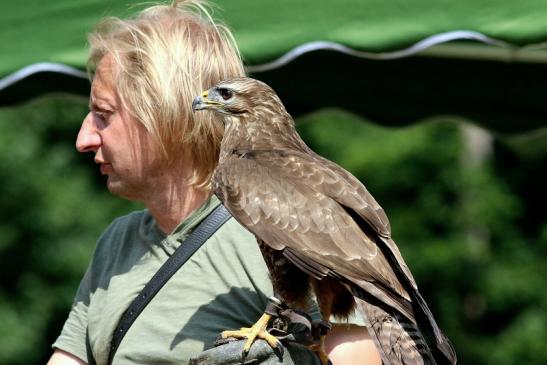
(137, 224)
(235, 236)
(232, 267)
(124, 241)
(134, 220)
(234, 247)
(233, 230)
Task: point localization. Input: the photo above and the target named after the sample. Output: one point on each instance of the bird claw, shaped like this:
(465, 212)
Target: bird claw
(258, 330)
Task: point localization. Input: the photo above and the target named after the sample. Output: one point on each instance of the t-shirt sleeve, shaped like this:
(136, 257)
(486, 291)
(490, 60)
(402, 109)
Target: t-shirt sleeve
(73, 337)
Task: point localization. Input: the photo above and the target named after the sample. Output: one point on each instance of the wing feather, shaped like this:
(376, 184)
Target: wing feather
(286, 213)
(333, 181)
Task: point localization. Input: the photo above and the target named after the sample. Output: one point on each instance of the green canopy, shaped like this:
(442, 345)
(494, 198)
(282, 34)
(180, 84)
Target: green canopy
(394, 62)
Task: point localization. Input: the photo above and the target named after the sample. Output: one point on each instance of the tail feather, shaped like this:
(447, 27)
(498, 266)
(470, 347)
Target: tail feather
(398, 339)
(443, 343)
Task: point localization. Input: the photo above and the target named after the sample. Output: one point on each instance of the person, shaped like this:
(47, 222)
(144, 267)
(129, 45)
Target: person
(153, 149)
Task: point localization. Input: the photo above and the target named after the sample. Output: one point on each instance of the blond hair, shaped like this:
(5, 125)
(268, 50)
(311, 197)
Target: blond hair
(165, 56)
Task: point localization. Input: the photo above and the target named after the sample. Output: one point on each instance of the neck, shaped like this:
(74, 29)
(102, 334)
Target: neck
(170, 211)
(171, 201)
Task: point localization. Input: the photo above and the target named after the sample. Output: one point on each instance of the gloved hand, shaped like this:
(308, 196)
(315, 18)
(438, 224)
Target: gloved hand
(230, 353)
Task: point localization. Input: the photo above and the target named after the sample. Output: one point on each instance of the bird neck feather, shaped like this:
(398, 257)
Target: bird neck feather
(261, 130)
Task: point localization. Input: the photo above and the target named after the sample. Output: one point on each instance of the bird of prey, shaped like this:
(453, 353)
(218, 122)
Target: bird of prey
(318, 227)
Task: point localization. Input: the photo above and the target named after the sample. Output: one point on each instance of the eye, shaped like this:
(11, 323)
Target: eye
(103, 115)
(225, 93)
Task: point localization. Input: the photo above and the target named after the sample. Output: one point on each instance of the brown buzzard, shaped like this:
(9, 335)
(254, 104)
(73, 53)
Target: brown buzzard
(318, 227)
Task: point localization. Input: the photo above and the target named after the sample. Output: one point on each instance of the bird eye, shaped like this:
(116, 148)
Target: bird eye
(225, 93)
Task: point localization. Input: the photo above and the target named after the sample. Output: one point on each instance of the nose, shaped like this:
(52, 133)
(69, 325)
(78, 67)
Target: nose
(88, 140)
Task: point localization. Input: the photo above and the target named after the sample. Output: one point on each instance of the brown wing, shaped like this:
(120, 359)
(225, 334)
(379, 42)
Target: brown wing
(347, 190)
(279, 199)
(333, 181)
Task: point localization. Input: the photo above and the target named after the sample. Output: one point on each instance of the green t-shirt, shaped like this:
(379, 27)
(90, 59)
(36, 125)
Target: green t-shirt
(224, 285)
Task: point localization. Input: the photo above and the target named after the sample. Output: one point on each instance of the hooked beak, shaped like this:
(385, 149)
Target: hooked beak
(202, 102)
(197, 104)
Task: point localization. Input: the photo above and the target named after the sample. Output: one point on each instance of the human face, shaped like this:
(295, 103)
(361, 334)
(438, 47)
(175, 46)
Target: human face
(122, 146)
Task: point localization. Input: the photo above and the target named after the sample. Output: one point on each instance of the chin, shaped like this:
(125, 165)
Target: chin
(130, 186)
(122, 190)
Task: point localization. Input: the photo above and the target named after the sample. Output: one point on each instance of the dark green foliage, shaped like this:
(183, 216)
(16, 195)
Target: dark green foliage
(474, 234)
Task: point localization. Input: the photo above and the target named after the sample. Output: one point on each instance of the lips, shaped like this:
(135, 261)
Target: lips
(106, 168)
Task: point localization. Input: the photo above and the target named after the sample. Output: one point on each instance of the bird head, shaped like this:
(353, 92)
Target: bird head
(253, 116)
(237, 97)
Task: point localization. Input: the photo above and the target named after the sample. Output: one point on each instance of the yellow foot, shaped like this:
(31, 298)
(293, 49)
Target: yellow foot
(258, 330)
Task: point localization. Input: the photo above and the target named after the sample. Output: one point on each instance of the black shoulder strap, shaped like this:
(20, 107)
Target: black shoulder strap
(190, 245)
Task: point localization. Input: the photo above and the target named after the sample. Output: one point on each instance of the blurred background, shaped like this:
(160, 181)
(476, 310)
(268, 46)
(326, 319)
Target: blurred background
(438, 107)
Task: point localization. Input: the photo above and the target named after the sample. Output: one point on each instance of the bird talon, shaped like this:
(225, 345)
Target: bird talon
(258, 330)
